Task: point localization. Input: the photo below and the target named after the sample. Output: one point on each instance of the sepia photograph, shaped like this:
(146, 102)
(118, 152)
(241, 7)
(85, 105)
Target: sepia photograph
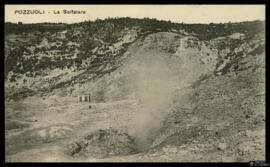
(134, 83)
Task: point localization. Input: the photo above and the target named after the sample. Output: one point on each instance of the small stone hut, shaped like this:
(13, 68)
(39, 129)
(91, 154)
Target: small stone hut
(85, 98)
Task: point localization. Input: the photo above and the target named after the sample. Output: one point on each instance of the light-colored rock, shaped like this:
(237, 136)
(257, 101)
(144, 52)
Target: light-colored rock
(222, 146)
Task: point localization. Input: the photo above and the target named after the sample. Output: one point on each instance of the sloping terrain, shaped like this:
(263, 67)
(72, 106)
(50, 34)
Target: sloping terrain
(177, 93)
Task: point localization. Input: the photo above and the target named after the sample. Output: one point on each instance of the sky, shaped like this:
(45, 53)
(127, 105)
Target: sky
(174, 13)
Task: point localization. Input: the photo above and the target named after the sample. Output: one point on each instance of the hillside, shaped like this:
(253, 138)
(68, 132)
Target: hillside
(172, 87)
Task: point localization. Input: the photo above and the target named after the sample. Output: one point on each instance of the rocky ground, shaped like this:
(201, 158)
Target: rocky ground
(34, 142)
(162, 95)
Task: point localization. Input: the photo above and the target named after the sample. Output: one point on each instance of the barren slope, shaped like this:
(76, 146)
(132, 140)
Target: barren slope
(179, 97)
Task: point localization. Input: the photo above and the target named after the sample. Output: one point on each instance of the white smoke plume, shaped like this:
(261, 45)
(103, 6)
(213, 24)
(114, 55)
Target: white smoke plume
(154, 88)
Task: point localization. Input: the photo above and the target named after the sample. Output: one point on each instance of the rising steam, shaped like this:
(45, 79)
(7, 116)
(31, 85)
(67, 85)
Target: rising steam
(154, 89)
